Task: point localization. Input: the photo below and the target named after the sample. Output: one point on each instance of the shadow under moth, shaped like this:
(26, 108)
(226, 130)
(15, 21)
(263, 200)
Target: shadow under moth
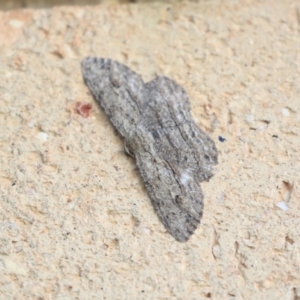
(172, 153)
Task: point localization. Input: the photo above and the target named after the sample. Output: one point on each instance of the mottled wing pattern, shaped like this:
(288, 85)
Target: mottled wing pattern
(117, 89)
(176, 156)
(172, 153)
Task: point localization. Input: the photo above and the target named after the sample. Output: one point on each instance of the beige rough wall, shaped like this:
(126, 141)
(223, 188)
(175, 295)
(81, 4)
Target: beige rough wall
(75, 219)
(17, 4)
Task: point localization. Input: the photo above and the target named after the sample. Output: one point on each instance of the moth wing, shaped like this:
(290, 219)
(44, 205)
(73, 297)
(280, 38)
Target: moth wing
(173, 155)
(177, 137)
(179, 205)
(119, 91)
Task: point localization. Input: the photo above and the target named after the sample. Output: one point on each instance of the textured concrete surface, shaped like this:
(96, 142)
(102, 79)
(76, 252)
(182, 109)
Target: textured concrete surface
(18, 4)
(75, 219)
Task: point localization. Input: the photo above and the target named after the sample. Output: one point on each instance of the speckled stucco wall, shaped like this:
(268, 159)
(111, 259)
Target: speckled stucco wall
(75, 219)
